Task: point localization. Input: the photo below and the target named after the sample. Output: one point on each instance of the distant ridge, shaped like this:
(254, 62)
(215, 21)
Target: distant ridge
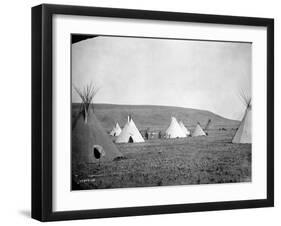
(105, 105)
(156, 117)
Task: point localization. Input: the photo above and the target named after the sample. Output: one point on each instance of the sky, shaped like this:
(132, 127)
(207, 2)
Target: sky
(204, 75)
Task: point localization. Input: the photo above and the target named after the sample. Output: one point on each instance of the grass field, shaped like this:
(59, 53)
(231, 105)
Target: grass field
(162, 162)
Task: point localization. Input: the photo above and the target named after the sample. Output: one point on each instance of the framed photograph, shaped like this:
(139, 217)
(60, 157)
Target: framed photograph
(145, 112)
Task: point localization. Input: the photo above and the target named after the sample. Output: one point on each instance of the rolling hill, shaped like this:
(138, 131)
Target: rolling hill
(155, 117)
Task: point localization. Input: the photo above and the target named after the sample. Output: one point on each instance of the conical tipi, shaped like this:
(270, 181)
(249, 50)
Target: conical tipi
(208, 124)
(244, 132)
(130, 133)
(198, 131)
(174, 130)
(116, 130)
(88, 136)
(184, 129)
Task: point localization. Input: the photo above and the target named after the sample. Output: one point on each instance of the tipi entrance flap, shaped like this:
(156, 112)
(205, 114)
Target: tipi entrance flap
(98, 151)
(131, 140)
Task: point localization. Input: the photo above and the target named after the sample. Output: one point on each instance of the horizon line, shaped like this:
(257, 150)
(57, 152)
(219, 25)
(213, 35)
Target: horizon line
(161, 106)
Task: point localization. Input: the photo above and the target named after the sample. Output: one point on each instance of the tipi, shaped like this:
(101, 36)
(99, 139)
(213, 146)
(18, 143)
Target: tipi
(198, 131)
(116, 130)
(174, 130)
(130, 133)
(89, 139)
(184, 129)
(207, 127)
(244, 132)
(208, 124)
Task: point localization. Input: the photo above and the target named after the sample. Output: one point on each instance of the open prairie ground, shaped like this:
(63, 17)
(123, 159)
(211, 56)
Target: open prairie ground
(163, 162)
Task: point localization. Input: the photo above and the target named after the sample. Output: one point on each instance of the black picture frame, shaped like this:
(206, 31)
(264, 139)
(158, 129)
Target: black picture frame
(42, 111)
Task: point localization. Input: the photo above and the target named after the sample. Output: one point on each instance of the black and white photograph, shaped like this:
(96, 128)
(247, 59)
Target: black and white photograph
(159, 112)
(145, 112)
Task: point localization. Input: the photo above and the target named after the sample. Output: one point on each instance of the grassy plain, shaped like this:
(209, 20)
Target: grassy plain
(163, 162)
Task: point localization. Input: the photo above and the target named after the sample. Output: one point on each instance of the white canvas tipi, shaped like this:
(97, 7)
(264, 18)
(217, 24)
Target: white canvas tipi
(130, 133)
(198, 131)
(116, 130)
(174, 130)
(184, 129)
(244, 132)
